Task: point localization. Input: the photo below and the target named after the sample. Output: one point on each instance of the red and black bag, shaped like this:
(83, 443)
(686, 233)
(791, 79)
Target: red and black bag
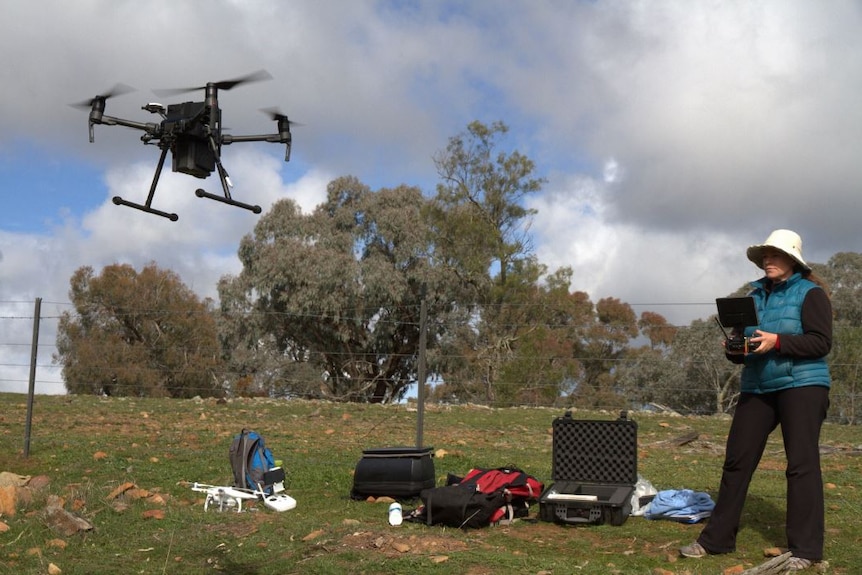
(482, 497)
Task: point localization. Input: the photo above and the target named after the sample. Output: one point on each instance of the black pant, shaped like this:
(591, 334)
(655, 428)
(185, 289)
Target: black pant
(800, 412)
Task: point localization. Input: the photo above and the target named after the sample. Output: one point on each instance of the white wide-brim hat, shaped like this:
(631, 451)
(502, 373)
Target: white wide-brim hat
(787, 241)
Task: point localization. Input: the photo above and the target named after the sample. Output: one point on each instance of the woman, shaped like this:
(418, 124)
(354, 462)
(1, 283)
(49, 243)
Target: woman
(785, 381)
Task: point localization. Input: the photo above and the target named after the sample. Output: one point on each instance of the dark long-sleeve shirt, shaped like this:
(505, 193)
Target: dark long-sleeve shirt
(816, 339)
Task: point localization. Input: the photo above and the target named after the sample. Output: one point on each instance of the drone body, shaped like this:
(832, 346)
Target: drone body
(191, 154)
(192, 133)
(223, 498)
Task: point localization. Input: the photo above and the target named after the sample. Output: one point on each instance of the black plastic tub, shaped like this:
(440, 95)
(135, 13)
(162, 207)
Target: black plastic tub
(398, 472)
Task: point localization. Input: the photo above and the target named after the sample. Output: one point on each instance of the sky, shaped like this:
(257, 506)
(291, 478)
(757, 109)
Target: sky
(671, 134)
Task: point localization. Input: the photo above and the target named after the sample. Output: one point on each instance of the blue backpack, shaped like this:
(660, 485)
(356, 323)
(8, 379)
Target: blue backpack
(250, 460)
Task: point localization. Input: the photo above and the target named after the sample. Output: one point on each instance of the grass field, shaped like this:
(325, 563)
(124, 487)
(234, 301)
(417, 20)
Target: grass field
(88, 446)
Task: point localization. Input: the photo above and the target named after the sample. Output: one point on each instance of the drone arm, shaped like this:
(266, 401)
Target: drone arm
(230, 138)
(280, 138)
(96, 117)
(148, 127)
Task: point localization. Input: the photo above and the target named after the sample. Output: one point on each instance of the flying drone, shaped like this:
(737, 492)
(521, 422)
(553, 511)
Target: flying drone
(192, 132)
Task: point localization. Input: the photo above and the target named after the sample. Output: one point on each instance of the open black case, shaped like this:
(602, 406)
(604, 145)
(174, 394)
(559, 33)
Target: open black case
(594, 471)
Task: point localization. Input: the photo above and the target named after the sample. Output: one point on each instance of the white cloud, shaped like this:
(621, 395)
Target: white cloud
(641, 266)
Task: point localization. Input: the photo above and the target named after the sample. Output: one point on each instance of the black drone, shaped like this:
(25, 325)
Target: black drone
(192, 132)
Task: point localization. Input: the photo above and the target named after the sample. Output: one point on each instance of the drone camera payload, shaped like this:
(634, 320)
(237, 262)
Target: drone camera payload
(192, 154)
(192, 133)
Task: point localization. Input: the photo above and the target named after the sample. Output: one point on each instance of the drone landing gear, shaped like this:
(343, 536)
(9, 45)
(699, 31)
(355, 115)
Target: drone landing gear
(227, 200)
(225, 184)
(146, 207)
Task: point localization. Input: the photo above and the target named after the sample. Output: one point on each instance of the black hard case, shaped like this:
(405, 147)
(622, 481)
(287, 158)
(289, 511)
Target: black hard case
(399, 472)
(595, 465)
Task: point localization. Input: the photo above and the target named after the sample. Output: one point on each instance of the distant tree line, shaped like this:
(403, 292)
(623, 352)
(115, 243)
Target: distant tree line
(327, 306)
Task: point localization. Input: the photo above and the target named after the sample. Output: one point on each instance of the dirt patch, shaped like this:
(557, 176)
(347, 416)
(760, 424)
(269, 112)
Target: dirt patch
(243, 524)
(238, 530)
(394, 545)
(772, 465)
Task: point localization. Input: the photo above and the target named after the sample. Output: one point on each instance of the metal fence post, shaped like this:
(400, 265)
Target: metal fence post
(32, 389)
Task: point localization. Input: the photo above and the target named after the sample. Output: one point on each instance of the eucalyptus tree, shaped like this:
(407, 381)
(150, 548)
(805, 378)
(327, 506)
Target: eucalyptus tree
(528, 354)
(481, 226)
(328, 303)
(138, 334)
(643, 374)
(481, 217)
(703, 380)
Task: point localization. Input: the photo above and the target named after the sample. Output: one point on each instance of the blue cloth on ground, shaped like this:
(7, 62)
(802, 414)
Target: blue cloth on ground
(680, 505)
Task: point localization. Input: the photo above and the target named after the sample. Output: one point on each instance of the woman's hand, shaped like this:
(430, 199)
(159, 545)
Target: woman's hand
(765, 341)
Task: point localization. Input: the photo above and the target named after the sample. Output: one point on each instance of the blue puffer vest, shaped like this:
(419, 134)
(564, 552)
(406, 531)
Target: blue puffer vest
(781, 313)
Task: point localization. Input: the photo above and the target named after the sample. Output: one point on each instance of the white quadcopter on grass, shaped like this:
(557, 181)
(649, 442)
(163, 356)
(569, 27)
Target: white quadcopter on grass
(223, 498)
(228, 498)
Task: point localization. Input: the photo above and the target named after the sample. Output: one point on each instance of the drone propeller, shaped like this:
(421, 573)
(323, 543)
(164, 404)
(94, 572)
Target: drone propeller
(278, 115)
(96, 105)
(117, 90)
(258, 76)
(274, 113)
(284, 125)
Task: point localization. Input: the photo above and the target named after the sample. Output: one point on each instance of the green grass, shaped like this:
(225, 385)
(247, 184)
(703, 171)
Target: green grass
(159, 445)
